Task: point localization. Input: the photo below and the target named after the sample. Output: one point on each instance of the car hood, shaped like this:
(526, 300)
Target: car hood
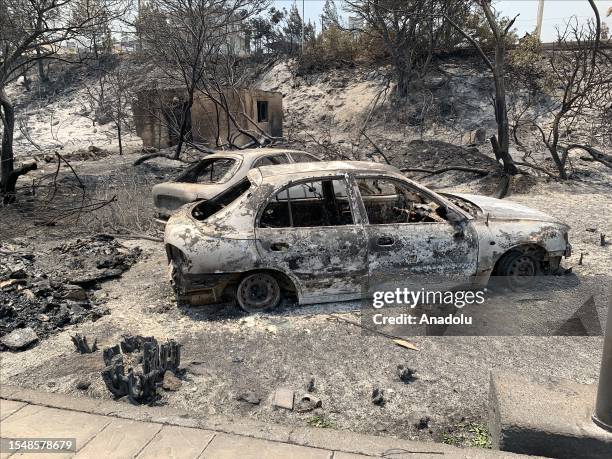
(502, 209)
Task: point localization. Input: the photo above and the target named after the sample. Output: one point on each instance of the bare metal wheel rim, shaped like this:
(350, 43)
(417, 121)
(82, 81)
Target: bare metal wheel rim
(522, 269)
(258, 292)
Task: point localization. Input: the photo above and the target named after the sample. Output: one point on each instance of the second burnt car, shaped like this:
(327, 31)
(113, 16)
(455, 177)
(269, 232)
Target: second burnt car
(320, 230)
(216, 173)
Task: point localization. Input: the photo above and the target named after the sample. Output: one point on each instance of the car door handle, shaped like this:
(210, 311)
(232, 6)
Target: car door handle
(279, 247)
(385, 241)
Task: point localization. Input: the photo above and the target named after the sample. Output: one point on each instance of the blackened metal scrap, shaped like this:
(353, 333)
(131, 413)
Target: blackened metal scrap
(170, 356)
(140, 387)
(133, 343)
(109, 353)
(150, 361)
(82, 346)
(114, 376)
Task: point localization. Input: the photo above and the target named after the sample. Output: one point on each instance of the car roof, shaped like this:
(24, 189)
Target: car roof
(326, 167)
(250, 153)
(282, 174)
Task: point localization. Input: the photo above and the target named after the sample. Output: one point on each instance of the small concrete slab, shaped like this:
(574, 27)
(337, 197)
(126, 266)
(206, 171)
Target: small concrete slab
(232, 446)
(545, 416)
(177, 443)
(8, 407)
(283, 398)
(121, 438)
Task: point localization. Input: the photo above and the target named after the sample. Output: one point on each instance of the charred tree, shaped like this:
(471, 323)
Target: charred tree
(501, 143)
(31, 31)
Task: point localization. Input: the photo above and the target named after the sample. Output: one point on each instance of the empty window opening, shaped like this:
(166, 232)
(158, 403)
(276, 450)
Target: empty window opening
(309, 204)
(304, 158)
(388, 202)
(262, 111)
(211, 206)
(218, 170)
(271, 160)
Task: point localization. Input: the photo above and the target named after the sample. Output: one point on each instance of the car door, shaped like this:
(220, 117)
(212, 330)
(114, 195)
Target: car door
(409, 232)
(310, 230)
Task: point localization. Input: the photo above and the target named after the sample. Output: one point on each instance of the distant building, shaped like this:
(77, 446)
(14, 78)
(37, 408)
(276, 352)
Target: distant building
(127, 44)
(158, 114)
(69, 47)
(237, 41)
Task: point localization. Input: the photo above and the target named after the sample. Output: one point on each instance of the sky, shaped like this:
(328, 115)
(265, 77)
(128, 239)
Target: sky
(556, 12)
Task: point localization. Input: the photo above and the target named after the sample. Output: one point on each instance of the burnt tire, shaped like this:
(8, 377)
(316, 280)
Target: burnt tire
(517, 269)
(258, 292)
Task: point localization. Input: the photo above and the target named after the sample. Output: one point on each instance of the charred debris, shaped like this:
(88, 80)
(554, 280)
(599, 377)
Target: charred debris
(159, 367)
(42, 291)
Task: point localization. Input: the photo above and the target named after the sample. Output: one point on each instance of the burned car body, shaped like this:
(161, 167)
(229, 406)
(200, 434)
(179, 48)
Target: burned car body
(216, 173)
(320, 230)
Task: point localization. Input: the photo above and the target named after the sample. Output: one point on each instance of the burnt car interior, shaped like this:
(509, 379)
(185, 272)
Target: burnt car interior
(299, 157)
(463, 204)
(217, 170)
(220, 170)
(308, 204)
(326, 203)
(388, 202)
(211, 206)
(271, 160)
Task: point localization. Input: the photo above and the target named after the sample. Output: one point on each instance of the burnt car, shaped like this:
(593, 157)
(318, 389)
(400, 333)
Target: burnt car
(216, 173)
(318, 231)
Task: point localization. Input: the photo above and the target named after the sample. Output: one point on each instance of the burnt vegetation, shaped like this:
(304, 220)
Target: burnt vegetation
(443, 90)
(210, 49)
(547, 109)
(549, 105)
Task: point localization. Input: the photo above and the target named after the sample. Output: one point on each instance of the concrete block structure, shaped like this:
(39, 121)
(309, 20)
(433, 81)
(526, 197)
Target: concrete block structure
(158, 114)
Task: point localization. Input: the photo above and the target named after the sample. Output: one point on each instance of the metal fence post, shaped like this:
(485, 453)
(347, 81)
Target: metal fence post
(603, 404)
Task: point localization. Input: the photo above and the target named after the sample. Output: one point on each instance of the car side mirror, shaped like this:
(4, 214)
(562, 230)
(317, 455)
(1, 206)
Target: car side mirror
(455, 219)
(458, 221)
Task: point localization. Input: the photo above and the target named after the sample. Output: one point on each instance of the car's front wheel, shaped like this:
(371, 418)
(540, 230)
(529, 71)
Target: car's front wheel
(258, 292)
(518, 269)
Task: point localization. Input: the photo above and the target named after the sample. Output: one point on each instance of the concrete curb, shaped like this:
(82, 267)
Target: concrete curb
(545, 415)
(336, 440)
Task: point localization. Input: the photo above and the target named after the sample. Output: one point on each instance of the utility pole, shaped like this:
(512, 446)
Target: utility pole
(538, 29)
(139, 26)
(603, 403)
(303, 23)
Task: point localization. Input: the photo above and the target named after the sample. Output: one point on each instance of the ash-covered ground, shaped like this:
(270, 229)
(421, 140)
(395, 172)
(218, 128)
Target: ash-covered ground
(44, 289)
(234, 363)
(232, 360)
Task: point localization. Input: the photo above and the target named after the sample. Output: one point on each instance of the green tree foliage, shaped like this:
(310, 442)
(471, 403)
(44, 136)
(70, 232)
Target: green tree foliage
(293, 29)
(334, 47)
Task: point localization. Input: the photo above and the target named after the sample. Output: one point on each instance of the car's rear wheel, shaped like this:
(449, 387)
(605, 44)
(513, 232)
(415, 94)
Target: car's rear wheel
(258, 292)
(518, 269)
